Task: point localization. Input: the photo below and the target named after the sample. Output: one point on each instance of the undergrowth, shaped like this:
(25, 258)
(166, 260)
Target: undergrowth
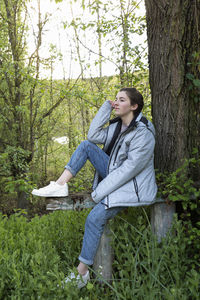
(36, 254)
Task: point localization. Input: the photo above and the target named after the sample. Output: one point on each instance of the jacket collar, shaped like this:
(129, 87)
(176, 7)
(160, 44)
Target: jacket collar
(117, 119)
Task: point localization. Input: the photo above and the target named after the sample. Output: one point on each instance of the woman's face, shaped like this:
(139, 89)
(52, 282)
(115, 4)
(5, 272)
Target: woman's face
(122, 105)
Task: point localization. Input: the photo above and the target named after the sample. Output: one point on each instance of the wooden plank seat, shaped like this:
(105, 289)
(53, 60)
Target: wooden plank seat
(73, 202)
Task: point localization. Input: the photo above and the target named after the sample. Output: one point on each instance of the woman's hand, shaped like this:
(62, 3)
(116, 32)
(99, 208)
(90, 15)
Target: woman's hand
(112, 103)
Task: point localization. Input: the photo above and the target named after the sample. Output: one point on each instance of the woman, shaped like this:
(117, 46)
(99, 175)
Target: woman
(124, 169)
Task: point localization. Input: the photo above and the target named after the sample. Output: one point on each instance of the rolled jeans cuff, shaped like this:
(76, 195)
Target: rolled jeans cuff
(85, 261)
(67, 167)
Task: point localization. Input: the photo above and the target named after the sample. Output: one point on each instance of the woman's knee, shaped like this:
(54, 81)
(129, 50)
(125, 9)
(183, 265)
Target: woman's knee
(85, 144)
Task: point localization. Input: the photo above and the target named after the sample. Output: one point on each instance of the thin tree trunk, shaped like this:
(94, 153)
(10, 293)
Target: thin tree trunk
(125, 43)
(99, 40)
(33, 88)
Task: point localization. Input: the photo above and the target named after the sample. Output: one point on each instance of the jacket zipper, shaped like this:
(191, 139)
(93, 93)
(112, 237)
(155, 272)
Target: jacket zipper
(116, 154)
(115, 145)
(96, 183)
(136, 188)
(113, 149)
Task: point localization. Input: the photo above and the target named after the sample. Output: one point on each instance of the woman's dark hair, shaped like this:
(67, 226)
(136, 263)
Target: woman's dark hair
(135, 98)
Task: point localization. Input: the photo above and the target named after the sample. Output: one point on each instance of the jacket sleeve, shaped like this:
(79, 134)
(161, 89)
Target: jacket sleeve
(140, 152)
(97, 134)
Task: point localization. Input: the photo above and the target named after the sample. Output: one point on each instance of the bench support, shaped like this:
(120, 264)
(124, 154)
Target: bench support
(161, 218)
(104, 256)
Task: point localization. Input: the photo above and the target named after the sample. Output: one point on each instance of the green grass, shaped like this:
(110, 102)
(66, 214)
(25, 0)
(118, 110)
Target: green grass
(36, 255)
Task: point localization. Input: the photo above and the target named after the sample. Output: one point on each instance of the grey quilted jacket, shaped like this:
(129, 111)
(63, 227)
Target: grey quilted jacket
(130, 179)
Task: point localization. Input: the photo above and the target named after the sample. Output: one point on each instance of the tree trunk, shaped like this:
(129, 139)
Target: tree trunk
(174, 44)
(125, 45)
(99, 39)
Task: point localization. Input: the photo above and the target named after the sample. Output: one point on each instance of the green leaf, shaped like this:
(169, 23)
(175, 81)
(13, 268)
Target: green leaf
(190, 76)
(196, 82)
(90, 286)
(196, 99)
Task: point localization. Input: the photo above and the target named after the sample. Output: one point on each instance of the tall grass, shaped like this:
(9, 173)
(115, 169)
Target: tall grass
(147, 269)
(36, 255)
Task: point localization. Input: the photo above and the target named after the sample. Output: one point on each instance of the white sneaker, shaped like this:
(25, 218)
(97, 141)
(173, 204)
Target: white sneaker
(52, 190)
(80, 280)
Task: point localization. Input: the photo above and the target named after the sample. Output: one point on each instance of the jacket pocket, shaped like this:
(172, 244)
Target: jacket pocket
(136, 188)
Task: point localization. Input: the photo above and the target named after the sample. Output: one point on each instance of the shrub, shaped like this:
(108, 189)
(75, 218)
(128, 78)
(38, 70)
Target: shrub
(35, 255)
(180, 187)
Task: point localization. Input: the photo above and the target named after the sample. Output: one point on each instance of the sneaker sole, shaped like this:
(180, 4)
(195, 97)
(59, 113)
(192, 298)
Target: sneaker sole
(48, 195)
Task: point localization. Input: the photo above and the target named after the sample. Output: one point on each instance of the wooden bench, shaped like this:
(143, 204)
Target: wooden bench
(162, 214)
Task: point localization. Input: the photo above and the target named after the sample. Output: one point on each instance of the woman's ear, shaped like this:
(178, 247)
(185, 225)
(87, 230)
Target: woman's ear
(134, 106)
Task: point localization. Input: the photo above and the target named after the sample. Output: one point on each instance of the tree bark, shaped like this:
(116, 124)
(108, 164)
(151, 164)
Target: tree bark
(174, 44)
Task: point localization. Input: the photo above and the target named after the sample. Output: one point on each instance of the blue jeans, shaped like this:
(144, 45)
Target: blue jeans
(98, 216)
